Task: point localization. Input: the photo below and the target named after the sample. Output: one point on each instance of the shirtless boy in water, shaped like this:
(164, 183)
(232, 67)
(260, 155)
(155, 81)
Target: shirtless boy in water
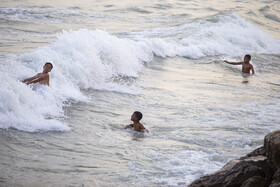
(136, 117)
(42, 78)
(246, 66)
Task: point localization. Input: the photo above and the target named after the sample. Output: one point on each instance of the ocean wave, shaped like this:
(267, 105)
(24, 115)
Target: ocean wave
(217, 35)
(26, 109)
(95, 59)
(82, 59)
(48, 15)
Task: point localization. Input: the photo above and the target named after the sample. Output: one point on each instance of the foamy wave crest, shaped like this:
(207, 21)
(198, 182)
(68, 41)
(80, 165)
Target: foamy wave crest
(25, 109)
(82, 59)
(217, 35)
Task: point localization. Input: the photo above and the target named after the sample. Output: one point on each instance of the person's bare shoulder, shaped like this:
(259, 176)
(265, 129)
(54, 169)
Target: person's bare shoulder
(44, 75)
(142, 126)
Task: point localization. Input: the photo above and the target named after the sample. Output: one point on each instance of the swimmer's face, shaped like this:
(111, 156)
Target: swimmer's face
(47, 68)
(133, 117)
(246, 60)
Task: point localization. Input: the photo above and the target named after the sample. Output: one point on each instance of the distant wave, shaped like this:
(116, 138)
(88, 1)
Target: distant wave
(45, 14)
(217, 35)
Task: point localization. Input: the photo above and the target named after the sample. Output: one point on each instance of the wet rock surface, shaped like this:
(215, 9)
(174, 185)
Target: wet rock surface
(260, 168)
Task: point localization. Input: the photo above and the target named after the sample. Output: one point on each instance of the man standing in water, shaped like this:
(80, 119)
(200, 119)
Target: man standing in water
(42, 78)
(246, 66)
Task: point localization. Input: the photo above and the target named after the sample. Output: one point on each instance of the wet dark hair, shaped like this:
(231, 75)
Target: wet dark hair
(139, 115)
(248, 56)
(48, 63)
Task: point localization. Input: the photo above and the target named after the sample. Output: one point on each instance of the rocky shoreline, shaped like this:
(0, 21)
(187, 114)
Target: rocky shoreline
(260, 168)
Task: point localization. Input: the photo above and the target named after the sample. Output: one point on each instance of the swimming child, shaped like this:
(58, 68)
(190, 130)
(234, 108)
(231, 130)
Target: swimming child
(136, 117)
(42, 78)
(246, 66)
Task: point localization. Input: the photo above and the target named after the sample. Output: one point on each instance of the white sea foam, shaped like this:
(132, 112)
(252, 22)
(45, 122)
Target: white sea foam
(178, 167)
(26, 109)
(82, 59)
(217, 35)
(93, 59)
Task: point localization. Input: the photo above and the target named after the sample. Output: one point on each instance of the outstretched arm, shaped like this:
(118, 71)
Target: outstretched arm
(44, 77)
(233, 63)
(30, 79)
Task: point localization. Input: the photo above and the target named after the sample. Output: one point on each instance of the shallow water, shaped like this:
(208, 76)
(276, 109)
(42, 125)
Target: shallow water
(164, 58)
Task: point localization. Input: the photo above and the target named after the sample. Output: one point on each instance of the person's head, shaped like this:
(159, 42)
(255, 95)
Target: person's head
(247, 58)
(136, 116)
(47, 67)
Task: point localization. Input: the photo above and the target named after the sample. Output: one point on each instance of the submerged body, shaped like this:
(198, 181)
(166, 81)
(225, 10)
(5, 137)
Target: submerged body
(138, 127)
(136, 117)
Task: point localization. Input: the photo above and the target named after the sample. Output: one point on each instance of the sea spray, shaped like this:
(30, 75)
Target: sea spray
(26, 109)
(82, 59)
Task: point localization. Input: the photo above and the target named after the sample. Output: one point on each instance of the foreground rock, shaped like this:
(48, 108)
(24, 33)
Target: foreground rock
(234, 173)
(260, 168)
(272, 149)
(255, 181)
(276, 179)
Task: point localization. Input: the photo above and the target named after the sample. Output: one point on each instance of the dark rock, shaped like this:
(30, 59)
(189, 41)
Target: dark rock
(256, 181)
(233, 173)
(257, 152)
(260, 168)
(266, 169)
(276, 179)
(272, 149)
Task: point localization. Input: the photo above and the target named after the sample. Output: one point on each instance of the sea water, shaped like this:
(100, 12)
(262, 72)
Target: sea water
(163, 58)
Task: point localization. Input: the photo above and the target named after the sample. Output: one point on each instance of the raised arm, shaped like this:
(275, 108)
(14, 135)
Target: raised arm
(233, 63)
